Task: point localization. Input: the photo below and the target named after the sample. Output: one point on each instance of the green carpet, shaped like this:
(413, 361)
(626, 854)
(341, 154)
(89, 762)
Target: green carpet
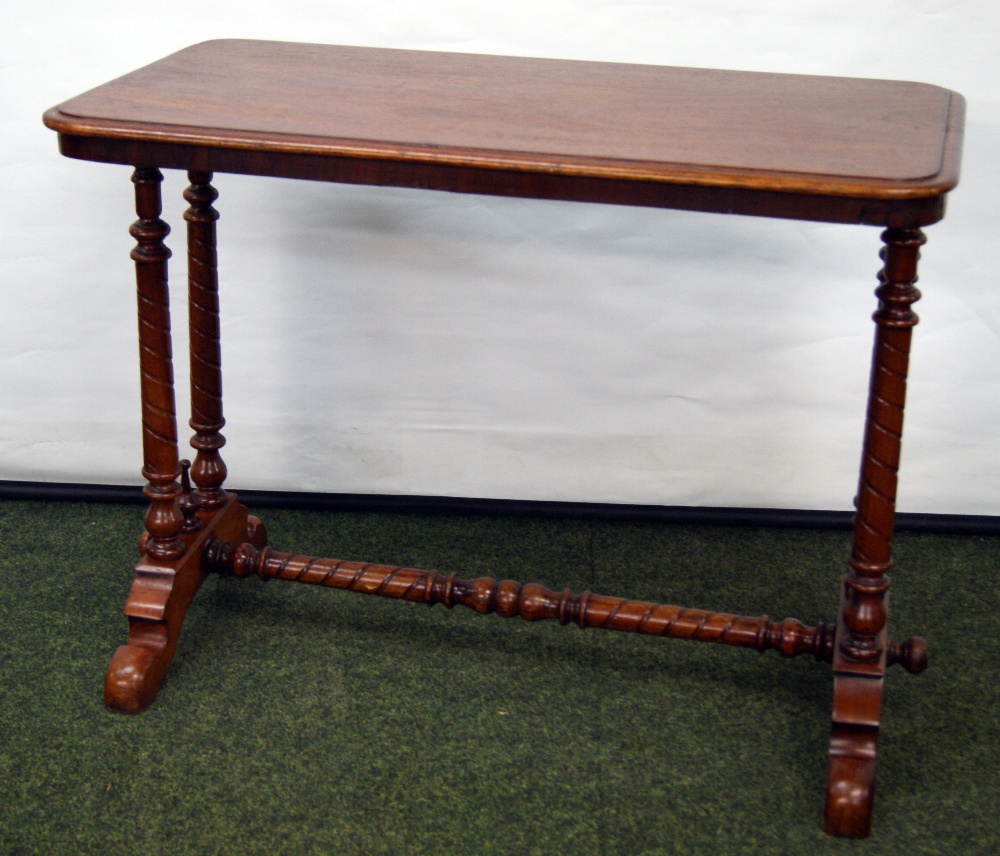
(299, 720)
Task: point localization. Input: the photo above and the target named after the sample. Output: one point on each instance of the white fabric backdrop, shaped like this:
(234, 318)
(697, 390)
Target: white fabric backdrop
(394, 341)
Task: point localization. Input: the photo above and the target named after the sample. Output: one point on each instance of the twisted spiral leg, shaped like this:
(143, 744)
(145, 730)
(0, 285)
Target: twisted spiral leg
(862, 651)
(208, 471)
(159, 422)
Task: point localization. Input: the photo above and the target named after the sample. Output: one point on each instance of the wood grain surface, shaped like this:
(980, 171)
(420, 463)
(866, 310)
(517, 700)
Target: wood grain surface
(789, 133)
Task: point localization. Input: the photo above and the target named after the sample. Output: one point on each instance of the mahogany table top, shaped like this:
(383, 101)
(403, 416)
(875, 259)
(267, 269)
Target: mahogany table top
(424, 112)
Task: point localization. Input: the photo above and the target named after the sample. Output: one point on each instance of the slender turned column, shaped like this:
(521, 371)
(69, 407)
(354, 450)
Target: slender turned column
(159, 422)
(863, 652)
(208, 471)
(867, 585)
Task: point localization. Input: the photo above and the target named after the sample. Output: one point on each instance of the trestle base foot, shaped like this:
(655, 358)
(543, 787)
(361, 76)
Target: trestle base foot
(156, 607)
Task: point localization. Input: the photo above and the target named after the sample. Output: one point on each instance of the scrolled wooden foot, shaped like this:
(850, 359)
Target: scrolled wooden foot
(850, 785)
(157, 604)
(132, 679)
(856, 717)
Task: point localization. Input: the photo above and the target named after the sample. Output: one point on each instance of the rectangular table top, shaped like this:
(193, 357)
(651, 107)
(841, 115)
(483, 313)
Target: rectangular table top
(428, 112)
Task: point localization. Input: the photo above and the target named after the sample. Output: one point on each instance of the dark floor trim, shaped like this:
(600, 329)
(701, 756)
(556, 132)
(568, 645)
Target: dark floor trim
(957, 524)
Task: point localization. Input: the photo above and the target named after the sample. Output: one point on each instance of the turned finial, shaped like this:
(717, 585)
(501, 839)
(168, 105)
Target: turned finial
(911, 654)
(188, 502)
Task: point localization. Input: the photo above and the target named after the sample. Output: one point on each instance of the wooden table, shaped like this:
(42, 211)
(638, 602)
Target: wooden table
(841, 150)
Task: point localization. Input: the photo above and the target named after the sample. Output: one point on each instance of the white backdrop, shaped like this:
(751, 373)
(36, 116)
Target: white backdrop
(393, 341)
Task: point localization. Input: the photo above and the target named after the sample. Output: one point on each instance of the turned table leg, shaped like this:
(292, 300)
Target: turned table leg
(208, 471)
(159, 422)
(169, 573)
(860, 652)
(133, 666)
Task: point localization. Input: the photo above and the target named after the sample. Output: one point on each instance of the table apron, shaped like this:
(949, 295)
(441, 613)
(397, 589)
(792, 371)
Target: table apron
(898, 213)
